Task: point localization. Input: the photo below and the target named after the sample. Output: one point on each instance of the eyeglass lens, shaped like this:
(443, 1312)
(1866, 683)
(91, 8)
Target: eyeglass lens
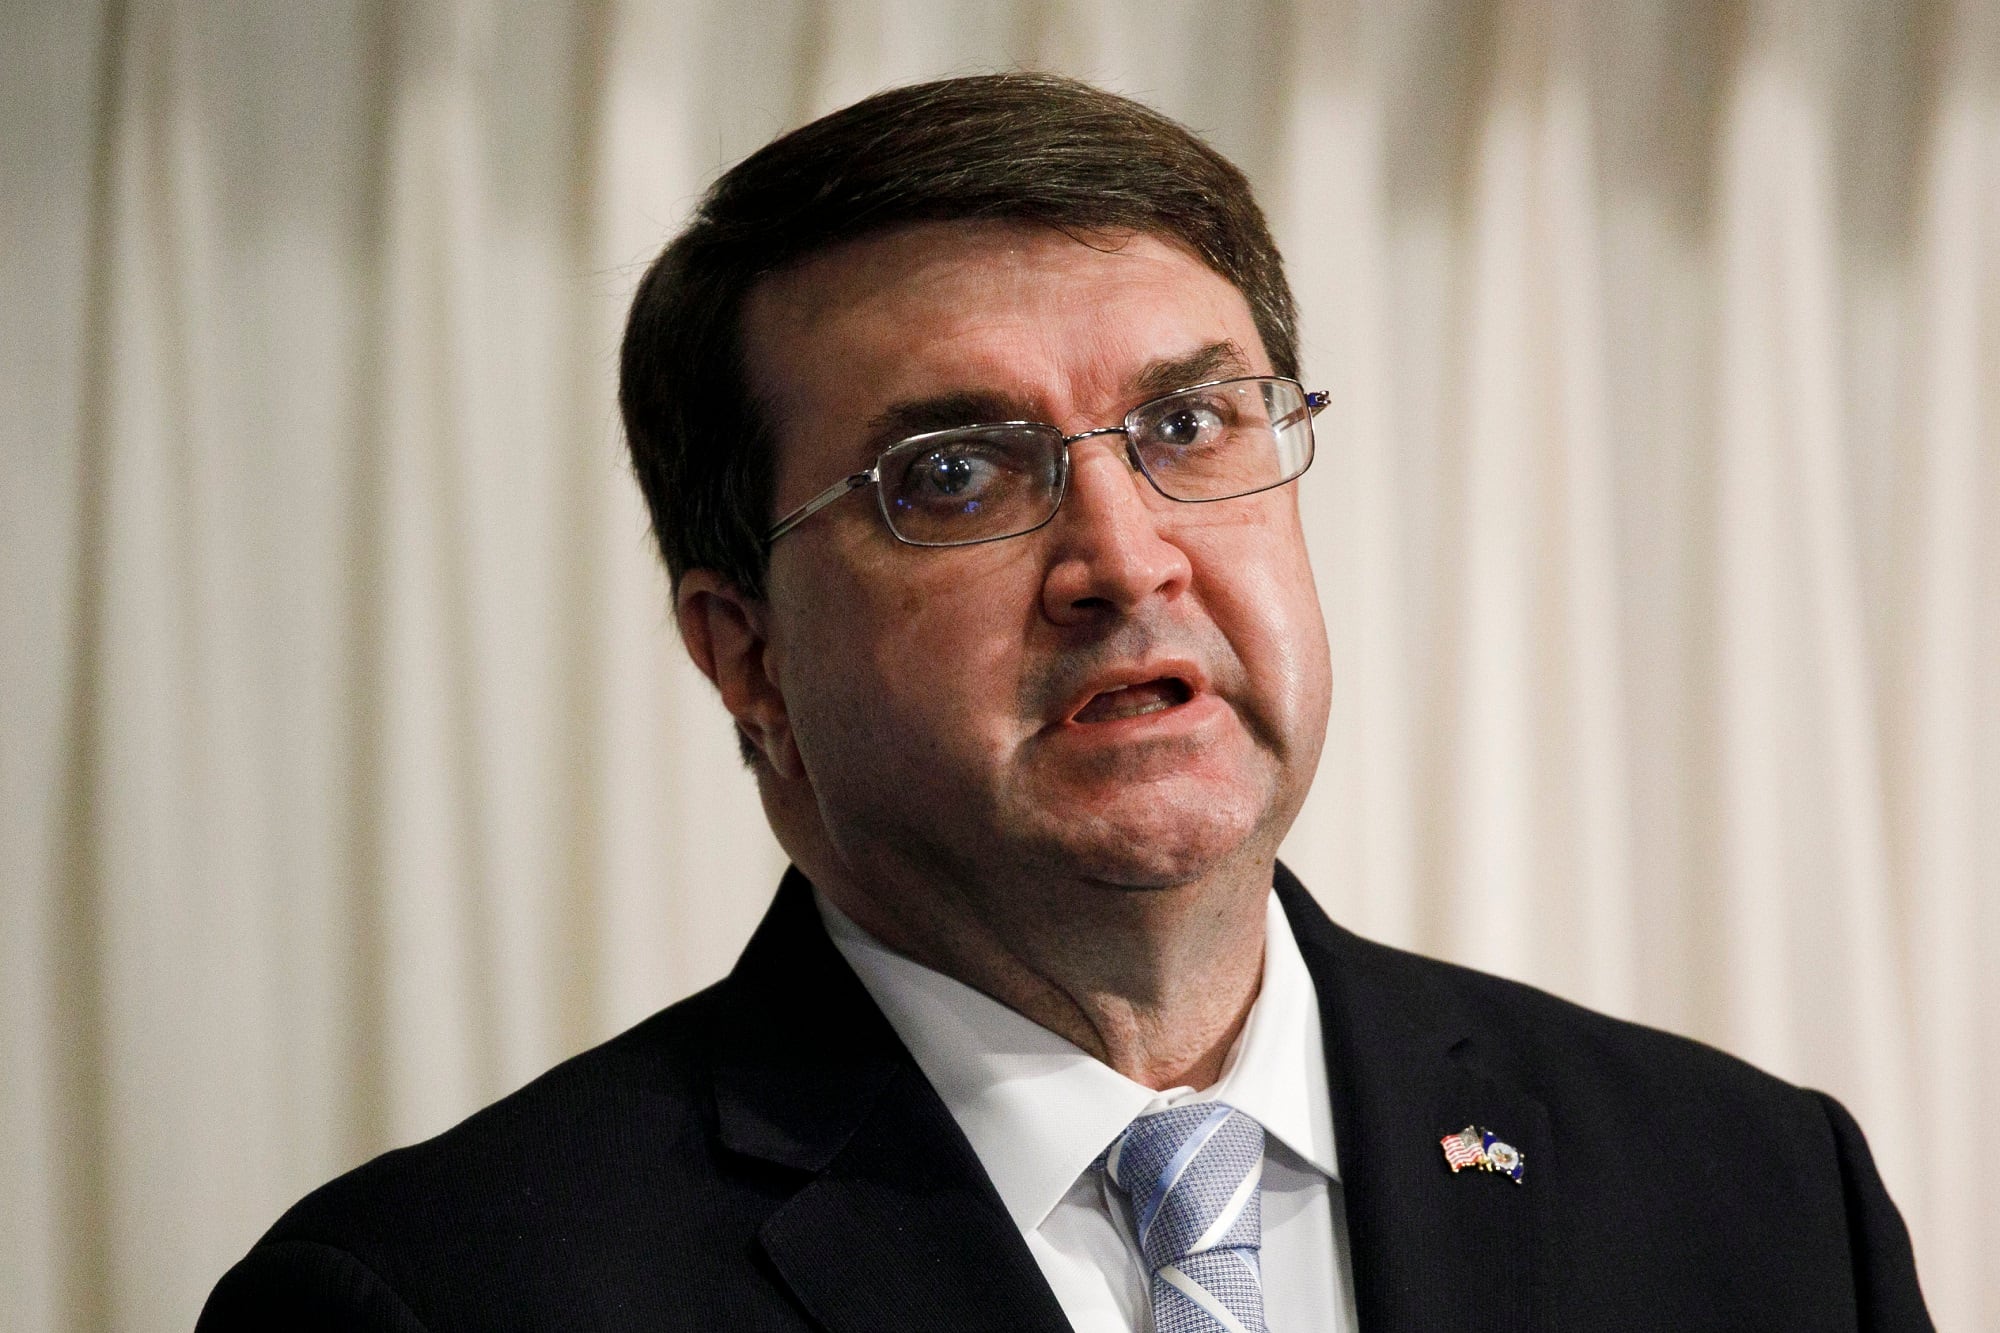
(980, 483)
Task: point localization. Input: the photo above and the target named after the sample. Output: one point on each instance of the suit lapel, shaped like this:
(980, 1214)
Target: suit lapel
(893, 1223)
(1430, 1249)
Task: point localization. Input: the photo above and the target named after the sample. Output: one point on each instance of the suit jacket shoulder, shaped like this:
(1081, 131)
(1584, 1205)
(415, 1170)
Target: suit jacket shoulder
(763, 1155)
(595, 1165)
(1665, 1183)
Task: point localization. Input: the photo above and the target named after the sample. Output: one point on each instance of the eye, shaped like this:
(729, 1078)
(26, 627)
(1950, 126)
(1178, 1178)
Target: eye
(971, 484)
(1188, 425)
(955, 479)
(957, 472)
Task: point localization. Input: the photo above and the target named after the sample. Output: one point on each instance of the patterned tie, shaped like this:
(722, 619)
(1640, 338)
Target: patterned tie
(1192, 1175)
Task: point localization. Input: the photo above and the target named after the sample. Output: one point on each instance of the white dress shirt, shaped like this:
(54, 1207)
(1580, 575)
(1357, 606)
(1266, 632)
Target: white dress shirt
(1038, 1111)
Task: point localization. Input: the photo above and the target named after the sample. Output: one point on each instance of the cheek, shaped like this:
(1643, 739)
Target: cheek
(933, 663)
(1262, 595)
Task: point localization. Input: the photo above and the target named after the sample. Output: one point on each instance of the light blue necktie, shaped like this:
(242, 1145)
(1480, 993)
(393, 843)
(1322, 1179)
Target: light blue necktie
(1192, 1175)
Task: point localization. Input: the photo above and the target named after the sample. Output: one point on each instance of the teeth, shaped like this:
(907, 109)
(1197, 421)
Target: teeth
(1153, 696)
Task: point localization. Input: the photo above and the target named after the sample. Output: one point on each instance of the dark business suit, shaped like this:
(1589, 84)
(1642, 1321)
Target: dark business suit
(766, 1155)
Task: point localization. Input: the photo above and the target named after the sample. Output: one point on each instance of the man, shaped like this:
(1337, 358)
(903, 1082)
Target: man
(967, 417)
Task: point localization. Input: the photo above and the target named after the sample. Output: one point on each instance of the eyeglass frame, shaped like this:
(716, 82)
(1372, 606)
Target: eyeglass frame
(1312, 403)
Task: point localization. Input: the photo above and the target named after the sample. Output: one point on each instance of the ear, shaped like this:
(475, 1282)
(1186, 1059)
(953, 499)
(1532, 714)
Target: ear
(727, 634)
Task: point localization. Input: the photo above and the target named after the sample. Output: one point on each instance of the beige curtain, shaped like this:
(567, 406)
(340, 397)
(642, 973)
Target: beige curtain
(350, 775)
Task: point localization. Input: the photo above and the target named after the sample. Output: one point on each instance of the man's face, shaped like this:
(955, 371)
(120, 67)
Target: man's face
(1136, 693)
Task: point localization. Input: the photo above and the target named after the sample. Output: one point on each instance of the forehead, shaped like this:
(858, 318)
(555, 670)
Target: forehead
(1051, 323)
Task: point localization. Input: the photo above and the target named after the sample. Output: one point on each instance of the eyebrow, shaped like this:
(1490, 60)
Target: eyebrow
(946, 411)
(1214, 361)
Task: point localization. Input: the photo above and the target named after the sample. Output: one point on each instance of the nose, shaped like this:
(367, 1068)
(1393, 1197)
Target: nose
(1111, 550)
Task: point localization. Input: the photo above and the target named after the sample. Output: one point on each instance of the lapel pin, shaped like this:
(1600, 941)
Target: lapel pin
(1482, 1148)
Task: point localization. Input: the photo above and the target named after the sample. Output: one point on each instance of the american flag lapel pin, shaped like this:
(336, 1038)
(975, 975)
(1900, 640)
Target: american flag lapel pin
(1482, 1148)
(1463, 1149)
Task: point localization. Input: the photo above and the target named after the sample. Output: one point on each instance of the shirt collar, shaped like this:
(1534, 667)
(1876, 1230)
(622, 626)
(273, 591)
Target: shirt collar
(1038, 1110)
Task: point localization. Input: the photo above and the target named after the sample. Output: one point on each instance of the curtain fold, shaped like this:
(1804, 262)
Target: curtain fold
(350, 773)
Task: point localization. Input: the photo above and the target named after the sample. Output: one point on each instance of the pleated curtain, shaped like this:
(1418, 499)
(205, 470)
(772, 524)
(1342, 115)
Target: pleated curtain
(350, 773)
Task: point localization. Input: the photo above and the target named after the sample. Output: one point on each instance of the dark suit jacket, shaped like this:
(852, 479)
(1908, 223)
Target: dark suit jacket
(766, 1155)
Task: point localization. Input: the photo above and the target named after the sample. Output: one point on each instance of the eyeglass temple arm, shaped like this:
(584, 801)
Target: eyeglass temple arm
(1316, 401)
(826, 497)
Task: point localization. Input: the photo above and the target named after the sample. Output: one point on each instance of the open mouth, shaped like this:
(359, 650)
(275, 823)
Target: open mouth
(1148, 696)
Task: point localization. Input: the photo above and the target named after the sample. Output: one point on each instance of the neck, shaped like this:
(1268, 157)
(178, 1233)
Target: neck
(1156, 983)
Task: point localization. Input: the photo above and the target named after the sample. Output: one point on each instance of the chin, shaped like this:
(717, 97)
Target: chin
(1166, 846)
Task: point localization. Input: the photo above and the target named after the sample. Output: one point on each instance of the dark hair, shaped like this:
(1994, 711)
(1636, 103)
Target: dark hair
(1017, 147)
